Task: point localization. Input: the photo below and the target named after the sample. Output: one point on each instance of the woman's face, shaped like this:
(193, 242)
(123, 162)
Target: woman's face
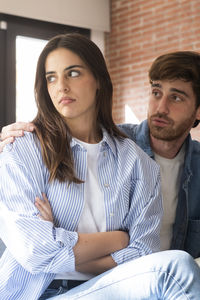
(71, 86)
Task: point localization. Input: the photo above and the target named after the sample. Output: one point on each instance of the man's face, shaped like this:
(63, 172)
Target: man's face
(172, 109)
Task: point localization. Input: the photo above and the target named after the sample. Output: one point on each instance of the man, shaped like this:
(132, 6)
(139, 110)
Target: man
(174, 108)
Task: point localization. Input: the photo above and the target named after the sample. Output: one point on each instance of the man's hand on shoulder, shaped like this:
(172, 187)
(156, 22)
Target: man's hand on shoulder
(13, 130)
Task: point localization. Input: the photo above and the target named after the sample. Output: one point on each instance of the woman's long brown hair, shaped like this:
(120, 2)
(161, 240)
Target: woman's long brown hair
(51, 129)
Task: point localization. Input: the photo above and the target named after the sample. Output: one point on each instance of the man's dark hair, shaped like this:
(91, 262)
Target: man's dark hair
(183, 65)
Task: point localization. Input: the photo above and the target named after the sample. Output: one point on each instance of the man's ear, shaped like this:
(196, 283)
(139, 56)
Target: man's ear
(198, 113)
(197, 121)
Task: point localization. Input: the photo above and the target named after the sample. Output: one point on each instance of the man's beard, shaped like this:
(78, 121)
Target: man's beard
(172, 131)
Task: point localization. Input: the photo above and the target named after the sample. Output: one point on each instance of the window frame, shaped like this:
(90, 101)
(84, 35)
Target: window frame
(28, 28)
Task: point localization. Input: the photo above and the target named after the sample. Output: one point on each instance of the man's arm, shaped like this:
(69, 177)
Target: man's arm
(13, 130)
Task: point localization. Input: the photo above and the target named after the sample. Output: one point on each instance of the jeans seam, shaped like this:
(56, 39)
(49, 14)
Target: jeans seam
(85, 293)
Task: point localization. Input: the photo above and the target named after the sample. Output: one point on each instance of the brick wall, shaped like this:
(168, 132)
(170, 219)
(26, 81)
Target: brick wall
(141, 30)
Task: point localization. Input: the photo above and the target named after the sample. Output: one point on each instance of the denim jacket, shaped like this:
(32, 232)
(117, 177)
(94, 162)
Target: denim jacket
(186, 229)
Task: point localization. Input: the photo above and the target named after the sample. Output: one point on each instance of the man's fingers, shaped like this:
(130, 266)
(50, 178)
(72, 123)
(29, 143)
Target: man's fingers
(19, 126)
(7, 134)
(7, 141)
(16, 129)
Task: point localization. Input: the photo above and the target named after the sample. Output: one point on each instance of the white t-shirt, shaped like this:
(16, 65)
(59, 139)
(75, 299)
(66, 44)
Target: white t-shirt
(171, 170)
(93, 218)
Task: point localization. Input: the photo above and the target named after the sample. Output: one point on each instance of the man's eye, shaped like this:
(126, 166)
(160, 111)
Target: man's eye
(176, 98)
(156, 93)
(74, 73)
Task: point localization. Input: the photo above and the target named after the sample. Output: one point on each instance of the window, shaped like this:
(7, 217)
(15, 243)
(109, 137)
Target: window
(21, 41)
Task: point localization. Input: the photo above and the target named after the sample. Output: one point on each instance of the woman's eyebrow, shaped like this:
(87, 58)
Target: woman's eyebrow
(66, 69)
(73, 66)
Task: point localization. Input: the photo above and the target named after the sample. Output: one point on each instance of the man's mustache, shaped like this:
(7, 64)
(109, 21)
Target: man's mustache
(162, 116)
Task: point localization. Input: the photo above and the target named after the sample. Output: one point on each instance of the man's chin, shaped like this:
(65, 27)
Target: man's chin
(162, 134)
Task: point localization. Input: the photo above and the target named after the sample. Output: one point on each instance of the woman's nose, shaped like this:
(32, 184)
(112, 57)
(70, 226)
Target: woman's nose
(63, 85)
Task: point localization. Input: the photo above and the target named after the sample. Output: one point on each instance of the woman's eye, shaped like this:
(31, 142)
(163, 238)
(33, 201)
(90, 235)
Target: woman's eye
(50, 79)
(74, 73)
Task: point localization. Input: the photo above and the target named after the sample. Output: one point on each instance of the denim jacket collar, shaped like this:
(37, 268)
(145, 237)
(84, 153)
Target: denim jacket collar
(143, 140)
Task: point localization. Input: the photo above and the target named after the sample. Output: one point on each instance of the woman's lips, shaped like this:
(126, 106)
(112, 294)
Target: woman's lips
(66, 100)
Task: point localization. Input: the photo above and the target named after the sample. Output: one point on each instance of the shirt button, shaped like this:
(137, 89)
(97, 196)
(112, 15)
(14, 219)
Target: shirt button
(106, 185)
(104, 154)
(111, 214)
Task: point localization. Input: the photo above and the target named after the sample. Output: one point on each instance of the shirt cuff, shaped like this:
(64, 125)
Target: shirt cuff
(125, 255)
(65, 238)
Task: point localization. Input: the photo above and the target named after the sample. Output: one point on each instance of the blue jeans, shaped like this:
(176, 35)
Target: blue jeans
(169, 275)
(52, 292)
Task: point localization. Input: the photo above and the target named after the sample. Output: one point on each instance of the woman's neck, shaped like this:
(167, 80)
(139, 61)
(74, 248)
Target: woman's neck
(87, 135)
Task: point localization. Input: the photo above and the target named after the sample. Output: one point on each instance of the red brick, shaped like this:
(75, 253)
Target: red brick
(140, 31)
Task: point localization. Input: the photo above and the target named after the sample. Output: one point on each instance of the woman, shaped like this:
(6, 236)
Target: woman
(103, 191)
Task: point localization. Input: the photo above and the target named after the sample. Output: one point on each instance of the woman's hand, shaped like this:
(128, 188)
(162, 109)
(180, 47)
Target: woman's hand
(44, 208)
(11, 131)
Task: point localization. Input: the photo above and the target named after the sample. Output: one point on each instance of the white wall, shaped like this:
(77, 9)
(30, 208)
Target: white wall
(92, 14)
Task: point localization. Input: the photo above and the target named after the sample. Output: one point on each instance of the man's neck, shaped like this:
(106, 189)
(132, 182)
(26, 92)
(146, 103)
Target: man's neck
(167, 149)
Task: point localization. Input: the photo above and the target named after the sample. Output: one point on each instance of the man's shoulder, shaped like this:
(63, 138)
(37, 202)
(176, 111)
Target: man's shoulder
(139, 133)
(193, 152)
(128, 128)
(134, 131)
(194, 146)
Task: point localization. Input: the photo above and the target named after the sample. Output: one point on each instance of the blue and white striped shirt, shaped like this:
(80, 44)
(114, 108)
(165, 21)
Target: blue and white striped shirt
(37, 249)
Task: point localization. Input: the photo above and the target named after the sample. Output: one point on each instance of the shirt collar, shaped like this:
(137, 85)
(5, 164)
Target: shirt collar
(107, 141)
